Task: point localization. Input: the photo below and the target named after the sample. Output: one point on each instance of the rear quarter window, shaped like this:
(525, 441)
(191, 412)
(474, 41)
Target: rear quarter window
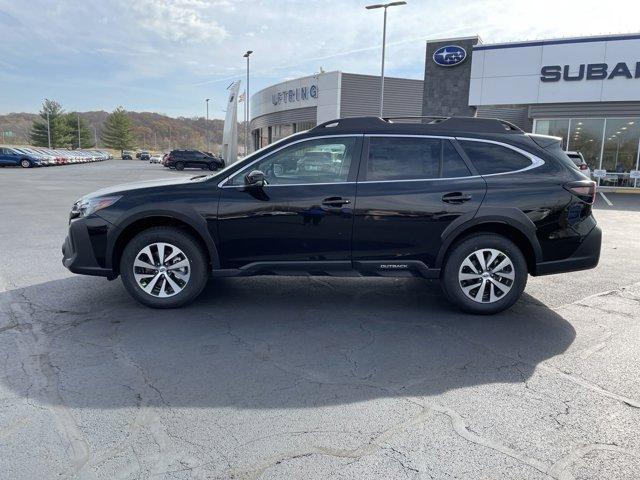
(572, 161)
(489, 158)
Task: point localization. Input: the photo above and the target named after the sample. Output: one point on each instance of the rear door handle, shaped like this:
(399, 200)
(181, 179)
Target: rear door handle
(335, 202)
(456, 197)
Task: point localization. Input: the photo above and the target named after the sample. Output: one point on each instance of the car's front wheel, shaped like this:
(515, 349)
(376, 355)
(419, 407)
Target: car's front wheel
(213, 166)
(179, 166)
(484, 274)
(24, 163)
(164, 267)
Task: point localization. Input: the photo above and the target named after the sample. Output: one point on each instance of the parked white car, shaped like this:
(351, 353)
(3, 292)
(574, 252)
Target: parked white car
(580, 162)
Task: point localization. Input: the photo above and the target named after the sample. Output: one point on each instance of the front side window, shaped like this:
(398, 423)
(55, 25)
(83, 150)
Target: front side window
(417, 158)
(325, 160)
(489, 158)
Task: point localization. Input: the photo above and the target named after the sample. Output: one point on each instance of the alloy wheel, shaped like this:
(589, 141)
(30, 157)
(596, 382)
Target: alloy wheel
(161, 269)
(486, 275)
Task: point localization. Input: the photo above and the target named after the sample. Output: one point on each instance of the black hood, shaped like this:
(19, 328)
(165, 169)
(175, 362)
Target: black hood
(127, 187)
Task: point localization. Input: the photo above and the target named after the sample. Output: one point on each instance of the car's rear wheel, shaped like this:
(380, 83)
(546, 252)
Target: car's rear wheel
(179, 166)
(213, 166)
(484, 274)
(24, 163)
(164, 267)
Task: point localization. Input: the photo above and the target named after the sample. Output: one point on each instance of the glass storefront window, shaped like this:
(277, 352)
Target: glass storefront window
(281, 131)
(585, 136)
(555, 128)
(620, 152)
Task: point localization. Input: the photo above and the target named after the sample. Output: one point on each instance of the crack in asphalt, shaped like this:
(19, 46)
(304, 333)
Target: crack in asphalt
(38, 366)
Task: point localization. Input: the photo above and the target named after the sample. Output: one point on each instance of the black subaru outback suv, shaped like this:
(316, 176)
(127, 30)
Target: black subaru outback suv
(476, 203)
(181, 159)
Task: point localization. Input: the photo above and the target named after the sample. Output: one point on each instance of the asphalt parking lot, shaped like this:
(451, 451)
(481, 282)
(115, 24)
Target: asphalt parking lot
(307, 377)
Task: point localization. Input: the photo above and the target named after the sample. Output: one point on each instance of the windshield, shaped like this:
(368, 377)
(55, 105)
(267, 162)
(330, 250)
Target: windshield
(248, 159)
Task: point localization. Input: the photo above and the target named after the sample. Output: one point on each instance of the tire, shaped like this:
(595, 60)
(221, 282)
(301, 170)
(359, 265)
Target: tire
(24, 163)
(161, 282)
(462, 271)
(213, 166)
(179, 166)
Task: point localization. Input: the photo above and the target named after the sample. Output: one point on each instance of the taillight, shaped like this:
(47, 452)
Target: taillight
(585, 190)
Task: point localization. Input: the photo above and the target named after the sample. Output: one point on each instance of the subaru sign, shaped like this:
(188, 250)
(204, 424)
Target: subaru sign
(449, 55)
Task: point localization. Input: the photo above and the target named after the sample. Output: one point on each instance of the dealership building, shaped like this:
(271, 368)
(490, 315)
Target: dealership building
(585, 90)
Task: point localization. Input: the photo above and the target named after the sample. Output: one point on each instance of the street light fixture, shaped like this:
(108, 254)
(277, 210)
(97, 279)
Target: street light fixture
(246, 107)
(384, 40)
(207, 126)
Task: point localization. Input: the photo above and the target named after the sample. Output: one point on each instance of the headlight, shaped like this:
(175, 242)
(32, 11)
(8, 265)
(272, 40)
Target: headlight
(87, 206)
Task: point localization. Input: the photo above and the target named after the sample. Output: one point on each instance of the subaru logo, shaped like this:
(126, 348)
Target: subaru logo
(449, 56)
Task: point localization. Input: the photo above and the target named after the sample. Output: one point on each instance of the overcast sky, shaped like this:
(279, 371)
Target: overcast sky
(168, 55)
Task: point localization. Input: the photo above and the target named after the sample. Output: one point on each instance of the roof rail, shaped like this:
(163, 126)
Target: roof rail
(431, 118)
(458, 124)
(350, 122)
(478, 124)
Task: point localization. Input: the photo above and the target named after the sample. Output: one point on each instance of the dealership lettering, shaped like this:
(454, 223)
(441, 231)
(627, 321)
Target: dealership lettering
(591, 71)
(295, 95)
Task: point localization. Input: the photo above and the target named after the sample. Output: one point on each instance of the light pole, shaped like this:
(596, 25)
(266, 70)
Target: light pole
(207, 126)
(79, 145)
(246, 107)
(384, 40)
(48, 129)
(95, 136)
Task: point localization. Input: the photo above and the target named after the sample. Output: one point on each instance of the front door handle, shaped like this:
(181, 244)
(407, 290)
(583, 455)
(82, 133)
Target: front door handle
(455, 197)
(335, 202)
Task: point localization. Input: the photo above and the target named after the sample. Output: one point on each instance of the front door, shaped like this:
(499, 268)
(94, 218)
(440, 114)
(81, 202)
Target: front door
(409, 190)
(7, 157)
(303, 214)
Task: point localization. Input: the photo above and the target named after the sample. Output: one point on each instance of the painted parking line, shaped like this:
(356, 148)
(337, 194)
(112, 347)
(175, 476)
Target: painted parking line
(604, 197)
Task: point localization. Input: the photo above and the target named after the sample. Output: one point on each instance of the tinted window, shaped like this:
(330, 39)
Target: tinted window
(313, 161)
(452, 163)
(491, 158)
(403, 158)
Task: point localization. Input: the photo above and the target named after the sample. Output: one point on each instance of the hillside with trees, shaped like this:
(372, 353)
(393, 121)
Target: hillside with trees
(150, 131)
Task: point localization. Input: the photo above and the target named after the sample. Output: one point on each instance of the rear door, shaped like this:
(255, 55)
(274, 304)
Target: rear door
(409, 190)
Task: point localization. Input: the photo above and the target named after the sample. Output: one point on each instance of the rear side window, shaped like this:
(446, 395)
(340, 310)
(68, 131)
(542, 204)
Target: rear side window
(490, 158)
(452, 164)
(406, 158)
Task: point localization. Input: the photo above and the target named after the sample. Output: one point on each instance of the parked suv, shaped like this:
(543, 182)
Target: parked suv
(144, 155)
(180, 159)
(127, 155)
(476, 203)
(578, 159)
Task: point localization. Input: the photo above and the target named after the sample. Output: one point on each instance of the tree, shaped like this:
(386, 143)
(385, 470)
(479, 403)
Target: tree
(117, 132)
(86, 137)
(59, 127)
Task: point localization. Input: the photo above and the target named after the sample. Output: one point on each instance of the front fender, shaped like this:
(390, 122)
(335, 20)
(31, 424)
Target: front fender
(185, 214)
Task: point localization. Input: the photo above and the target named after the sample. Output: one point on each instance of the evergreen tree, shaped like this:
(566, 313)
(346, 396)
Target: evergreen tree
(59, 127)
(117, 132)
(86, 135)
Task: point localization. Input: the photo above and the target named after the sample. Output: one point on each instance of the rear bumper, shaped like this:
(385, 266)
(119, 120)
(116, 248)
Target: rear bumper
(586, 256)
(79, 249)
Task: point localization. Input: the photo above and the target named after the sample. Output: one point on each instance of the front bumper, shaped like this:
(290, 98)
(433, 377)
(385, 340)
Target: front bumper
(84, 249)
(586, 256)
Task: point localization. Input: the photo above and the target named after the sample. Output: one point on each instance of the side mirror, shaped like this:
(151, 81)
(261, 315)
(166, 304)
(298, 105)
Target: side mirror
(255, 178)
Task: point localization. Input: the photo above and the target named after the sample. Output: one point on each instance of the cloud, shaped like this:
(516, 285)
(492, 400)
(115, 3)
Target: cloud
(180, 50)
(182, 20)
